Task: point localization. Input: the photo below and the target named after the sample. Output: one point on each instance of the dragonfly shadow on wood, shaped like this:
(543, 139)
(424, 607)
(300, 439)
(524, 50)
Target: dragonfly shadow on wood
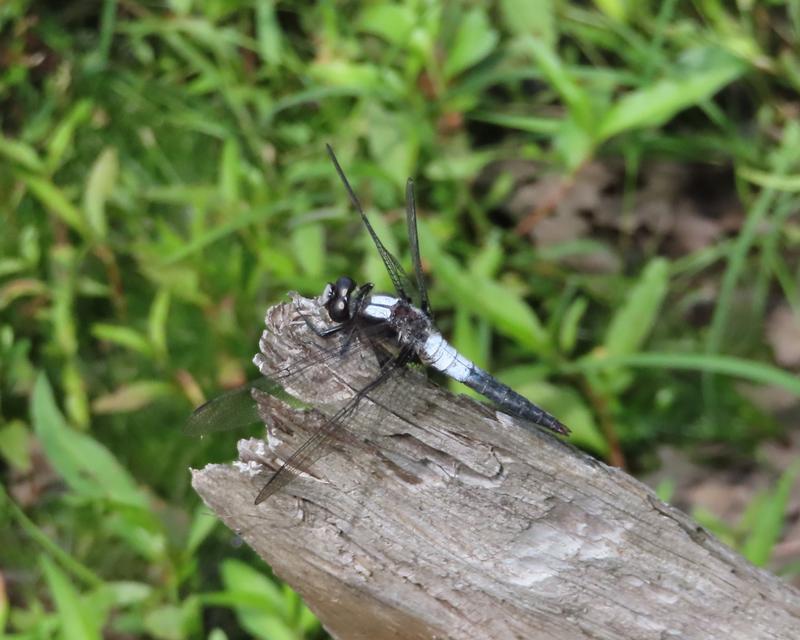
(364, 350)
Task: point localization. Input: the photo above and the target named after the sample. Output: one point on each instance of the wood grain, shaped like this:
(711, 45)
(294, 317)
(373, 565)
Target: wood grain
(443, 519)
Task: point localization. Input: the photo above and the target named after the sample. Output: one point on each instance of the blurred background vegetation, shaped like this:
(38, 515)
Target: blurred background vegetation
(608, 195)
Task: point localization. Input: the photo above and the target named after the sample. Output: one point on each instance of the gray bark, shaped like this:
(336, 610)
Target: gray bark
(440, 518)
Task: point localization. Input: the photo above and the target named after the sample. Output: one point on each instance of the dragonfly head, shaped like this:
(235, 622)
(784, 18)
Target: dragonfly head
(336, 298)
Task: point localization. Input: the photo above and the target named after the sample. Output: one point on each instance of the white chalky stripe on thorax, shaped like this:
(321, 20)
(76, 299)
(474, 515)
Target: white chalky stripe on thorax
(442, 356)
(380, 307)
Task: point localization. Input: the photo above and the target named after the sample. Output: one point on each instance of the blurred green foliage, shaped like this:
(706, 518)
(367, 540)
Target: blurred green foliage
(163, 180)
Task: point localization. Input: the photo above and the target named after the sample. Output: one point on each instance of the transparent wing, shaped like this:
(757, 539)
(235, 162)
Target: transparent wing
(230, 410)
(318, 444)
(413, 244)
(403, 285)
(236, 408)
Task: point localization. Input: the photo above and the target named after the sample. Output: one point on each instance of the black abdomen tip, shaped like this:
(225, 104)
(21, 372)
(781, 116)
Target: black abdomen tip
(559, 427)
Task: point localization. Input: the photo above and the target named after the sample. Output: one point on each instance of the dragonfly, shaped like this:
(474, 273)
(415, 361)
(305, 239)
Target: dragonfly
(398, 328)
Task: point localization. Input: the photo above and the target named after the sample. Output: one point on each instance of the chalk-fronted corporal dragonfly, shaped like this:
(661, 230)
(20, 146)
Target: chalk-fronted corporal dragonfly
(399, 328)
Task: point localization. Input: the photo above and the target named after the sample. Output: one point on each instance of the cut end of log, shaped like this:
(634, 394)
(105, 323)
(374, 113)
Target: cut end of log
(443, 520)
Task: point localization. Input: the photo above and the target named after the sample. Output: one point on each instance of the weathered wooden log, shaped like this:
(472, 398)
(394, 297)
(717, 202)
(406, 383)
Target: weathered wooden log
(440, 518)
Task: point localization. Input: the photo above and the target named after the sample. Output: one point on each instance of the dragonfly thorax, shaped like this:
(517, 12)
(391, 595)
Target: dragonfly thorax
(409, 324)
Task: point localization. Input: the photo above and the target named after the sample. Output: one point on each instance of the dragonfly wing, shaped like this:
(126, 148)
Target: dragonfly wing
(336, 425)
(230, 410)
(413, 245)
(403, 285)
(236, 408)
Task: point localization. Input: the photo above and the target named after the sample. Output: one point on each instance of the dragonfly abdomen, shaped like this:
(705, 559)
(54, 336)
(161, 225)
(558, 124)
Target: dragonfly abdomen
(436, 352)
(510, 401)
(441, 355)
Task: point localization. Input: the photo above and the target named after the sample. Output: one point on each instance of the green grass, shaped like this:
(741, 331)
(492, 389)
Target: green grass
(163, 179)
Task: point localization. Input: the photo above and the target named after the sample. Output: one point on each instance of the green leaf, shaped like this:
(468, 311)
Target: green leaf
(657, 103)
(561, 79)
(181, 281)
(486, 262)
(127, 592)
(202, 526)
(268, 32)
(99, 186)
(21, 153)
(474, 40)
(53, 199)
(532, 18)
(233, 224)
(616, 9)
(265, 626)
(165, 623)
(157, 322)
(73, 618)
(61, 141)
(631, 324)
(123, 337)
(471, 337)
(512, 317)
(464, 165)
(709, 363)
(634, 320)
(568, 330)
(15, 446)
(140, 529)
(56, 437)
(573, 142)
(240, 577)
(86, 465)
(230, 169)
(392, 22)
(270, 620)
(76, 402)
(308, 243)
(341, 73)
(393, 142)
(769, 180)
(531, 124)
(770, 520)
(509, 313)
(132, 397)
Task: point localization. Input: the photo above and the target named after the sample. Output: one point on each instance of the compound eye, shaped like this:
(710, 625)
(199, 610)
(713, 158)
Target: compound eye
(344, 286)
(338, 310)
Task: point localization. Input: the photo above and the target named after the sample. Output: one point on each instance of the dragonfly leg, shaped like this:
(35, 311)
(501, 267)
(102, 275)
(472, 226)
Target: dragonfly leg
(329, 331)
(322, 333)
(361, 296)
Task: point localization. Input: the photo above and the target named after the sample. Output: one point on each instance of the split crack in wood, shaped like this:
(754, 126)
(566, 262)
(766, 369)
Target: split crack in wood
(444, 521)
